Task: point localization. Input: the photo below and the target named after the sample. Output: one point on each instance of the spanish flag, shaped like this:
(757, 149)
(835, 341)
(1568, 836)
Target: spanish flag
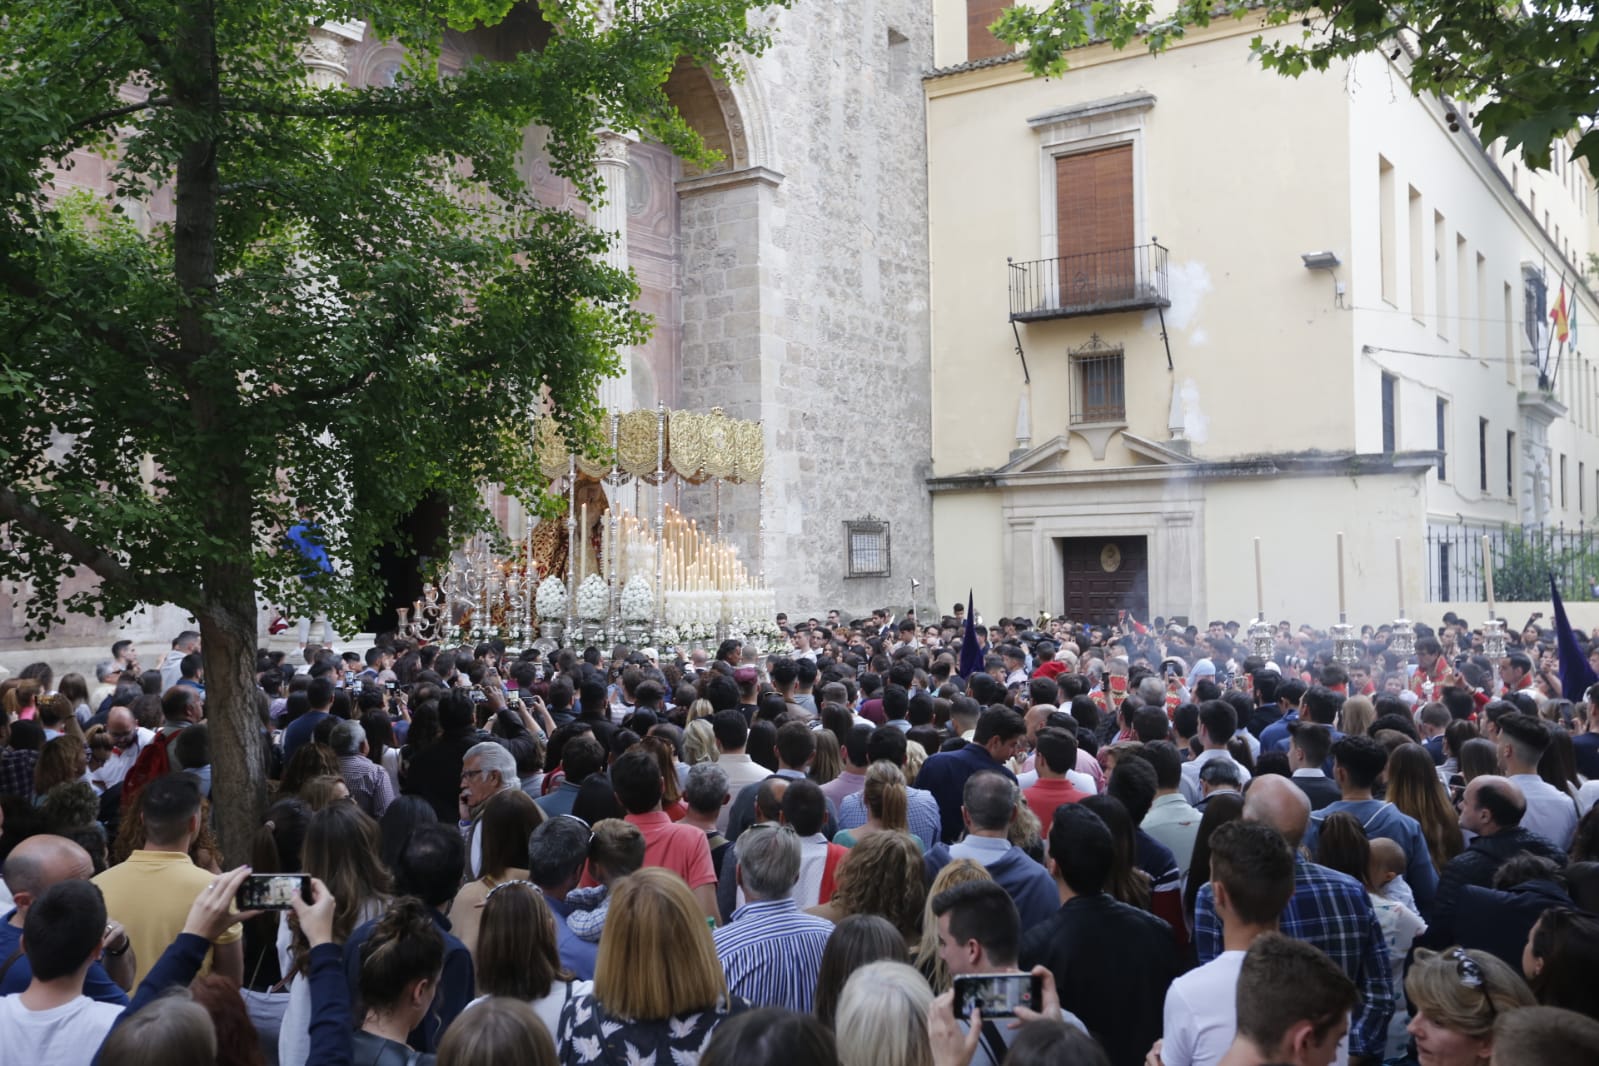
(1558, 316)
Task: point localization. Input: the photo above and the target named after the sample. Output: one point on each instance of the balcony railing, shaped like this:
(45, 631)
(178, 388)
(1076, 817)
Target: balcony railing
(1094, 283)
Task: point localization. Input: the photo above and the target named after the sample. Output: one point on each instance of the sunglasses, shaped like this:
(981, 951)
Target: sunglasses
(1470, 974)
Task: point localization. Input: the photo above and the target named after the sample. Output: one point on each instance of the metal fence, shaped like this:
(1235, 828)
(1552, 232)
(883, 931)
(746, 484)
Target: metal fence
(1092, 283)
(1522, 557)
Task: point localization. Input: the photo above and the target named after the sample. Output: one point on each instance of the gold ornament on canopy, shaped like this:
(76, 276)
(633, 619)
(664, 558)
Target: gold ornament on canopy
(549, 448)
(749, 451)
(636, 434)
(698, 447)
(718, 445)
(686, 445)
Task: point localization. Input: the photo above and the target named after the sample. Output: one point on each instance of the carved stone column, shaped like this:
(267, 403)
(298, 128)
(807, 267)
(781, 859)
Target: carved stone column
(327, 52)
(610, 218)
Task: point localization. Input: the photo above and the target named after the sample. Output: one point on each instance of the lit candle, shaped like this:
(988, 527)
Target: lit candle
(1341, 610)
(1399, 568)
(1260, 586)
(1488, 571)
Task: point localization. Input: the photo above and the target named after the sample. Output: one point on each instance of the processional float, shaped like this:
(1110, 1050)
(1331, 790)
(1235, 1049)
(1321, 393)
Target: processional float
(603, 575)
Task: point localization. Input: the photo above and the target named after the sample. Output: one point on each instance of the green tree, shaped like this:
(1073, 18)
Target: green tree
(1528, 68)
(355, 308)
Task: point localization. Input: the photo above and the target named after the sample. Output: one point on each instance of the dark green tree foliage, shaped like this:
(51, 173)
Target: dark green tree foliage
(1528, 70)
(355, 307)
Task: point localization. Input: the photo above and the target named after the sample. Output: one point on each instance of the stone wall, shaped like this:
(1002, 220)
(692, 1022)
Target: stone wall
(805, 300)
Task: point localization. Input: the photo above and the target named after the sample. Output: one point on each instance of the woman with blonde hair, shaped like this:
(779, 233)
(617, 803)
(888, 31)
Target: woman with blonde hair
(508, 820)
(1415, 788)
(926, 955)
(699, 742)
(1457, 995)
(881, 875)
(700, 708)
(882, 1017)
(915, 755)
(886, 798)
(1357, 715)
(516, 955)
(826, 764)
(654, 928)
(323, 791)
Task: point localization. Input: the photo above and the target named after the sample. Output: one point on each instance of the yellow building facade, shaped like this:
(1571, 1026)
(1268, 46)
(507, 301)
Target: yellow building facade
(1179, 303)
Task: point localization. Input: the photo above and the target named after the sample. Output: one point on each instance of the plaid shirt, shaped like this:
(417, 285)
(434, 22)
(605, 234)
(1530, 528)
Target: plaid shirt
(1333, 912)
(921, 814)
(16, 772)
(368, 783)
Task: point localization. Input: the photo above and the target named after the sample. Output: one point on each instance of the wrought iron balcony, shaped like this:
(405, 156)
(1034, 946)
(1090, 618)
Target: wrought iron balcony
(1094, 283)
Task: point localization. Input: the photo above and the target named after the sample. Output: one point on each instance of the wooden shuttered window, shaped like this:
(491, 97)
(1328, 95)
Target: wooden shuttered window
(980, 14)
(1094, 231)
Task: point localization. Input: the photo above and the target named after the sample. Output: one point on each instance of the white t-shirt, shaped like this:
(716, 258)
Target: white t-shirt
(67, 1035)
(549, 1008)
(1201, 1016)
(984, 1055)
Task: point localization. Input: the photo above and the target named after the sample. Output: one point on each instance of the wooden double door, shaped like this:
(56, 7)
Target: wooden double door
(1106, 575)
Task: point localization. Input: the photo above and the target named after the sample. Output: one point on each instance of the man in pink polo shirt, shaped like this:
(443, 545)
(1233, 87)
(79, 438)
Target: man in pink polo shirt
(636, 780)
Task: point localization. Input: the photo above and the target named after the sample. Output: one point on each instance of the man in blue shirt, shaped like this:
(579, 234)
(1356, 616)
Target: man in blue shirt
(988, 809)
(1357, 763)
(557, 852)
(302, 730)
(999, 736)
(33, 866)
(771, 950)
(1274, 737)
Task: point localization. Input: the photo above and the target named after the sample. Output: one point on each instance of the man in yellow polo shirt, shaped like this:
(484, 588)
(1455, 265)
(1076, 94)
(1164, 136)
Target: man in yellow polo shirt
(151, 893)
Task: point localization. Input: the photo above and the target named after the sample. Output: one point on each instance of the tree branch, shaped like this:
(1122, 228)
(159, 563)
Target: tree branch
(362, 109)
(119, 112)
(150, 588)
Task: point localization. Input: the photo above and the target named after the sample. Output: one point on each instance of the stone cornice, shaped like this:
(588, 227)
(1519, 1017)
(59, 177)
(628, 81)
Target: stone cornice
(1312, 464)
(725, 179)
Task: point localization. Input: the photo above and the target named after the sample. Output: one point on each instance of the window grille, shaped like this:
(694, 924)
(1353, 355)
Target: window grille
(1098, 383)
(866, 548)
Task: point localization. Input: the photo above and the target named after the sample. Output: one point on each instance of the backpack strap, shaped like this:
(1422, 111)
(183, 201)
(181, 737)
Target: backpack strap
(835, 855)
(993, 1042)
(5, 968)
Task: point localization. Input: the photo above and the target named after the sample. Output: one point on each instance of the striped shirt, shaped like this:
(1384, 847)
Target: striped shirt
(772, 953)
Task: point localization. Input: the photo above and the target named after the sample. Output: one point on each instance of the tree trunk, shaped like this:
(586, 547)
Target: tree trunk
(238, 747)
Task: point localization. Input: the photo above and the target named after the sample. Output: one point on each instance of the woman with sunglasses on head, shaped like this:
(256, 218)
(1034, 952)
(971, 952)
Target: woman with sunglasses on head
(517, 956)
(1457, 995)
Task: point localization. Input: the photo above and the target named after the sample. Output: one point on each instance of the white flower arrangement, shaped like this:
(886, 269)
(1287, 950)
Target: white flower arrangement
(668, 636)
(593, 598)
(550, 600)
(638, 600)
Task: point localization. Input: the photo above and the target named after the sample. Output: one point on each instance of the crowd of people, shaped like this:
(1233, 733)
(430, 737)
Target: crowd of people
(1183, 854)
